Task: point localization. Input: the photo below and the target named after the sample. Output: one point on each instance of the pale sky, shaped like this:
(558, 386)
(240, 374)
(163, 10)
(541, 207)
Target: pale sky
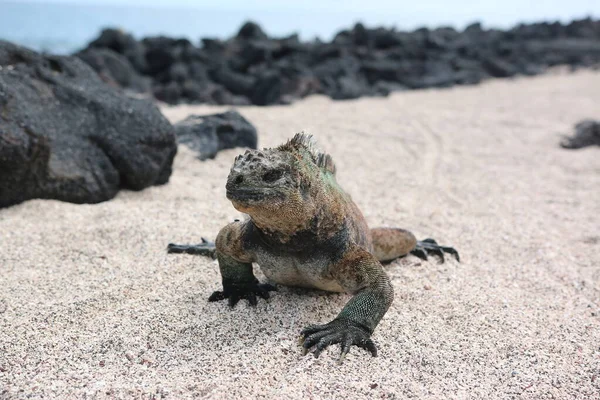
(445, 9)
(505, 12)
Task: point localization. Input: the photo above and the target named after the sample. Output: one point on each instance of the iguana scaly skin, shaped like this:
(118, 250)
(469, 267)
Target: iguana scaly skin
(304, 230)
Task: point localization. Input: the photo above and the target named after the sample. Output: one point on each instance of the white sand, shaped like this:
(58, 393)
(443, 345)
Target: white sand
(91, 305)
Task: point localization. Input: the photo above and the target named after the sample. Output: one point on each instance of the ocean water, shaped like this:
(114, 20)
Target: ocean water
(65, 27)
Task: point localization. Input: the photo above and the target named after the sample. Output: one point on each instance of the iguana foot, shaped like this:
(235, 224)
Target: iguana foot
(430, 246)
(237, 291)
(205, 248)
(342, 331)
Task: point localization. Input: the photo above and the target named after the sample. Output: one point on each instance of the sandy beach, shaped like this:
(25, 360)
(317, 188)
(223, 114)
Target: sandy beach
(92, 306)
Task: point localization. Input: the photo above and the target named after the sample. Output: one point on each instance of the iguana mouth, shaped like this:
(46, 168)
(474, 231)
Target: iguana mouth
(252, 195)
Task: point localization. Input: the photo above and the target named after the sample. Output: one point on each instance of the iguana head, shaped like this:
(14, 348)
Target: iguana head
(279, 187)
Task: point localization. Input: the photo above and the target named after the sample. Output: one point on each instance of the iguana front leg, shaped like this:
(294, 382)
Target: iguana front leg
(235, 264)
(359, 273)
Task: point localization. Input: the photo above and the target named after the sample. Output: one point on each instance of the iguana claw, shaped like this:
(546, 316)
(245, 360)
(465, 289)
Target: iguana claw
(430, 246)
(235, 292)
(342, 331)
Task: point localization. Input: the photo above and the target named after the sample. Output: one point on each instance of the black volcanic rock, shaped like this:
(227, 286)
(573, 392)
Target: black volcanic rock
(67, 135)
(169, 93)
(124, 44)
(587, 133)
(116, 40)
(362, 61)
(267, 89)
(235, 82)
(208, 134)
(115, 69)
(251, 30)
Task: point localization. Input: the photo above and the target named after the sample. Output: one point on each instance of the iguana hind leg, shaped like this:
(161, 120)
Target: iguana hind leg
(391, 243)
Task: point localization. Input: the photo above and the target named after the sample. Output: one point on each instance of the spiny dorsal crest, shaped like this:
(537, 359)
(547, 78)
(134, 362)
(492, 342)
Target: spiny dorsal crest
(307, 142)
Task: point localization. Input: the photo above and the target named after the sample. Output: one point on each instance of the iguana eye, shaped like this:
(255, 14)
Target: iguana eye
(272, 176)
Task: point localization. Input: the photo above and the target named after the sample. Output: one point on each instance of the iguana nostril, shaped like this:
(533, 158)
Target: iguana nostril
(239, 179)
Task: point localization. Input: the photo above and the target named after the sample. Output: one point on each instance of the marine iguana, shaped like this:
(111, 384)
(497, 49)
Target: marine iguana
(304, 230)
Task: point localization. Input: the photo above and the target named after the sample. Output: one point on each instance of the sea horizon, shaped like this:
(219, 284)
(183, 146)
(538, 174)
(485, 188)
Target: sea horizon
(63, 27)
